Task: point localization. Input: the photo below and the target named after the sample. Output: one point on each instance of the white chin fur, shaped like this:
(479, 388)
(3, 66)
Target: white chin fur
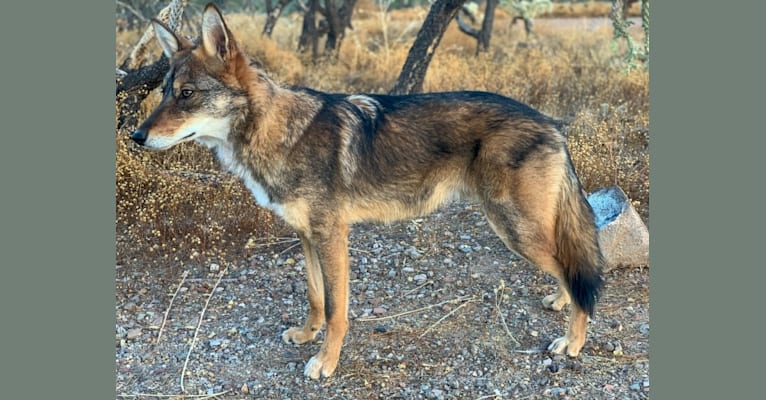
(197, 129)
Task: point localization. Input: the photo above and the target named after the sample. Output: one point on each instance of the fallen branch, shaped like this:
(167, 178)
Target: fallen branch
(498, 301)
(473, 300)
(165, 318)
(453, 301)
(199, 323)
(176, 396)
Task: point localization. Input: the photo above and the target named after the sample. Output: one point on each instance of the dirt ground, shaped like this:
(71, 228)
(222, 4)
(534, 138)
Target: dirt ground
(440, 309)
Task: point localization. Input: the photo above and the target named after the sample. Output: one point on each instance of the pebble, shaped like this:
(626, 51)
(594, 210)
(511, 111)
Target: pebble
(379, 310)
(420, 278)
(556, 391)
(133, 333)
(465, 248)
(436, 394)
(413, 252)
(617, 349)
(214, 267)
(644, 328)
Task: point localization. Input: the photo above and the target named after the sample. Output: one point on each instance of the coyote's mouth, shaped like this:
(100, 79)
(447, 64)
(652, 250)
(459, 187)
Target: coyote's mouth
(189, 135)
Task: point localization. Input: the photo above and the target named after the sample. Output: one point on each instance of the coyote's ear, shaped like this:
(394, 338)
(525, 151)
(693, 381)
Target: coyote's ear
(168, 40)
(216, 37)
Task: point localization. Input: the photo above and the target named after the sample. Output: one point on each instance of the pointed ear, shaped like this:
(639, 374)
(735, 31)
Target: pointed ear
(217, 40)
(168, 40)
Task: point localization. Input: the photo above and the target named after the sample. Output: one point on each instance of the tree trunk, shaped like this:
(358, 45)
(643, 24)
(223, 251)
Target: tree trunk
(486, 26)
(415, 67)
(334, 27)
(338, 19)
(484, 35)
(272, 14)
(309, 34)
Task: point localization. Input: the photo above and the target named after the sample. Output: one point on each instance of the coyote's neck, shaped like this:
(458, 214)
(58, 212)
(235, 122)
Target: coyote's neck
(257, 146)
(284, 113)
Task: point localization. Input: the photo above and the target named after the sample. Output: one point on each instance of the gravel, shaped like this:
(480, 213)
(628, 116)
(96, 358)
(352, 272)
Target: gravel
(462, 343)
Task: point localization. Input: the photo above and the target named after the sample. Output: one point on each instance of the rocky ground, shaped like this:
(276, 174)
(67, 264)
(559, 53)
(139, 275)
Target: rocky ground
(439, 310)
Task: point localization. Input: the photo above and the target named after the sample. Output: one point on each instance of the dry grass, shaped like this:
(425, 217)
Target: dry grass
(179, 208)
(588, 9)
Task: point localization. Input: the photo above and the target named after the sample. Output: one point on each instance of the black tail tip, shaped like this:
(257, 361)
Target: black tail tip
(586, 289)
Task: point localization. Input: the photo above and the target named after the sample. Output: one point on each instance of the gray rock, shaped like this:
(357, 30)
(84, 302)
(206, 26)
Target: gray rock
(413, 252)
(133, 333)
(622, 235)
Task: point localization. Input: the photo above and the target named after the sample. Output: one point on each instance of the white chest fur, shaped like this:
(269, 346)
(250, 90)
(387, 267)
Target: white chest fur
(225, 154)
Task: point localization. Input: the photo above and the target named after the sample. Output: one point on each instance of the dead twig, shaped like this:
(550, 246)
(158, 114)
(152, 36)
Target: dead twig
(473, 300)
(199, 323)
(176, 396)
(625, 358)
(532, 351)
(289, 248)
(279, 241)
(499, 296)
(165, 318)
(453, 301)
(132, 10)
(412, 290)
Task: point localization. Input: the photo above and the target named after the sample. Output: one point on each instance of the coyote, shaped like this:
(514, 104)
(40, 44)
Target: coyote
(323, 161)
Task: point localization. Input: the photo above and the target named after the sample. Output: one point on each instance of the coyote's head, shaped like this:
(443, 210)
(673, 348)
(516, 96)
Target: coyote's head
(204, 91)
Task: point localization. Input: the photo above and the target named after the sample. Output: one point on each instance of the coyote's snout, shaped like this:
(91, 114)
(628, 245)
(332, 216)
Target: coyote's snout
(324, 161)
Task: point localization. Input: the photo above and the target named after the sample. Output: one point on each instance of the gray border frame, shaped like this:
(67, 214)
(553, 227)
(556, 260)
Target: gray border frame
(57, 163)
(706, 150)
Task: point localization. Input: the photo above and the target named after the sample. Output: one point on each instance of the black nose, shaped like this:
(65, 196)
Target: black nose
(139, 136)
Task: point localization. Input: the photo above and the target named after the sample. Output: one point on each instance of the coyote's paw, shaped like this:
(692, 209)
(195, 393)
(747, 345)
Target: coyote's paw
(556, 301)
(320, 366)
(566, 345)
(298, 335)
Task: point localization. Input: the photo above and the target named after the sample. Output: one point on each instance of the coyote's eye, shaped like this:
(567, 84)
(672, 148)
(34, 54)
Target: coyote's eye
(185, 93)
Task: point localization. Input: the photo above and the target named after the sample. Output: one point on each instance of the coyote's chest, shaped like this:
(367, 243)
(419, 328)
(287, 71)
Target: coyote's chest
(225, 153)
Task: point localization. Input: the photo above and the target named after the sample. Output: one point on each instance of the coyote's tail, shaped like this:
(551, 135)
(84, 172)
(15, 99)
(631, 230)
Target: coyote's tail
(577, 244)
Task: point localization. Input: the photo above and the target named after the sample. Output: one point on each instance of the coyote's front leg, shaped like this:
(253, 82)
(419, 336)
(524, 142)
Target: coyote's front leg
(328, 274)
(316, 317)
